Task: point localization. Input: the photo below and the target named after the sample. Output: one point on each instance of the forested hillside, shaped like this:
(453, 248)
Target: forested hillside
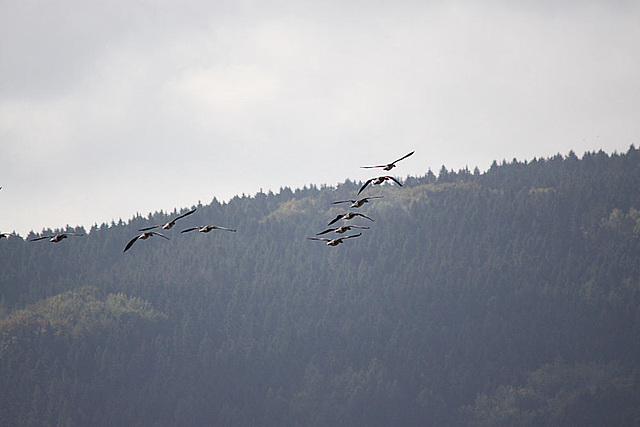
(510, 297)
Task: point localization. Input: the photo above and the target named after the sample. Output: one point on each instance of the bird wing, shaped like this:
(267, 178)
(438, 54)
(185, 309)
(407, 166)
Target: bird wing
(403, 157)
(343, 201)
(373, 197)
(336, 219)
(323, 239)
(186, 230)
(160, 234)
(394, 180)
(148, 228)
(365, 185)
(359, 226)
(364, 216)
(40, 238)
(328, 230)
(353, 235)
(217, 227)
(371, 167)
(131, 242)
(183, 215)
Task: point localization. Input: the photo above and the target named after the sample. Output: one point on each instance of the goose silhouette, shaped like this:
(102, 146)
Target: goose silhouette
(379, 180)
(168, 225)
(357, 202)
(56, 238)
(207, 228)
(341, 229)
(143, 236)
(388, 166)
(348, 216)
(334, 242)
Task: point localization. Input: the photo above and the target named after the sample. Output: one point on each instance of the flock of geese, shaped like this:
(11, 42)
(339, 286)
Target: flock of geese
(357, 203)
(148, 232)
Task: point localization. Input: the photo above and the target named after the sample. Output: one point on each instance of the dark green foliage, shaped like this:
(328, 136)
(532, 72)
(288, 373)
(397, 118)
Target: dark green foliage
(510, 297)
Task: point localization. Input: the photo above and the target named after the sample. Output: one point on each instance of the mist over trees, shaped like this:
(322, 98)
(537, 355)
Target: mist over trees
(509, 297)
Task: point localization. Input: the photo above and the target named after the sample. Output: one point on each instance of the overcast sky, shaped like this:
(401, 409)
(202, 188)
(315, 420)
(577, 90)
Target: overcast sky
(116, 107)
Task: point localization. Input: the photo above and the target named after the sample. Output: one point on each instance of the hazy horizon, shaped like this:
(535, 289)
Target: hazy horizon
(168, 210)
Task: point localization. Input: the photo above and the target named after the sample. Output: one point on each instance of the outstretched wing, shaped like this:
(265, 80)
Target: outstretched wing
(336, 219)
(186, 230)
(148, 228)
(353, 235)
(328, 230)
(343, 201)
(184, 214)
(40, 238)
(131, 242)
(394, 180)
(365, 185)
(371, 167)
(217, 227)
(160, 234)
(364, 216)
(403, 157)
(359, 226)
(322, 239)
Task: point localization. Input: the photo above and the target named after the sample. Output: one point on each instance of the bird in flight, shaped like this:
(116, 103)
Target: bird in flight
(388, 166)
(347, 216)
(378, 180)
(341, 229)
(207, 228)
(143, 236)
(170, 224)
(358, 202)
(56, 238)
(334, 242)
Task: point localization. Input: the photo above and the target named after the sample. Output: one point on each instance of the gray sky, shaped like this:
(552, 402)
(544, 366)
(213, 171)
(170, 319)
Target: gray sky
(112, 108)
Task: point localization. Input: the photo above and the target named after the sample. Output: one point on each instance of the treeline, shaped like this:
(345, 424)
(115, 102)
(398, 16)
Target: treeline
(509, 297)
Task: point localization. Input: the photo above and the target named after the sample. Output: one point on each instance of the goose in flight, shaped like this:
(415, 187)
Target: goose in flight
(378, 180)
(143, 236)
(357, 203)
(207, 228)
(341, 229)
(334, 242)
(388, 166)
(56, 238)
(347, 216)
(170, 224)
